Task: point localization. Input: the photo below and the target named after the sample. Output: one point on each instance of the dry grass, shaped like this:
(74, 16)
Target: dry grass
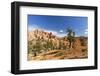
(77, 52)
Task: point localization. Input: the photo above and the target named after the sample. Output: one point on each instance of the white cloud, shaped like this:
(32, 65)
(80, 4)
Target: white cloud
(61, 31)
(86, 32)
(61, 35)
(33, 27)
(55, 33)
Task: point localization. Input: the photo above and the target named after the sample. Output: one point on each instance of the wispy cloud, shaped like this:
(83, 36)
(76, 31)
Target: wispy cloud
(61, 31)
(55, 33)
(86, 32)
(61, 35)
(33, 27)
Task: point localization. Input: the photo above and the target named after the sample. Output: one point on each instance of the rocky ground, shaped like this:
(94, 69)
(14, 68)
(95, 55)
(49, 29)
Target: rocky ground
(41, 40)
(60, 54)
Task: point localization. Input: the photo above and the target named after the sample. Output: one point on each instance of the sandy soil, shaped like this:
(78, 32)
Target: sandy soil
(60, 54)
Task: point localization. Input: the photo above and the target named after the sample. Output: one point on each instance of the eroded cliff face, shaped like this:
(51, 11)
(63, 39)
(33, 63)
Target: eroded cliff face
(45, 36)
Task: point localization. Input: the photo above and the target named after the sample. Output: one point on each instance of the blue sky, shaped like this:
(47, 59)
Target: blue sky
(58, 24)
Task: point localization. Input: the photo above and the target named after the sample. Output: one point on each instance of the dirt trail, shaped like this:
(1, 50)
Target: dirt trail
(59, 54)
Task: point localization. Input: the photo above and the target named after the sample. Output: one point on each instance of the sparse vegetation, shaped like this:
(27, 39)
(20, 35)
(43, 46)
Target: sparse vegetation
(84, 50)
(83, 40)
(70, 37)
(51, 47)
